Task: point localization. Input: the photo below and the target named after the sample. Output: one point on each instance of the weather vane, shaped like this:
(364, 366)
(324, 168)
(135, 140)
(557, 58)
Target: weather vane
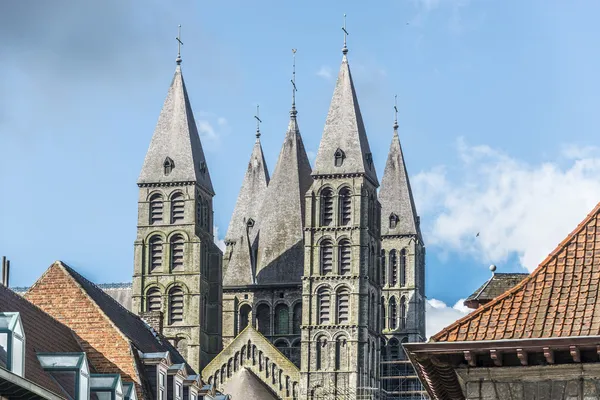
(345, 49)
(294, 89)
(179, 43)
(395, 111)
(258, 121)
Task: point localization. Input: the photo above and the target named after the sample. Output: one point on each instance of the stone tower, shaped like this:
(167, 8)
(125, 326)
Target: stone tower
(403, 276)
(341, 288)
(265, 254)
(177, 267)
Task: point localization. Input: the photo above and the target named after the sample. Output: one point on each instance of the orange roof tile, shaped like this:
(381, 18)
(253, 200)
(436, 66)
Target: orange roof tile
(560, 298)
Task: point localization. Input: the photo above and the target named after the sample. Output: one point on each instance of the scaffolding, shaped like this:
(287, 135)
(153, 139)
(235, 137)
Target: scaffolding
(399, 380)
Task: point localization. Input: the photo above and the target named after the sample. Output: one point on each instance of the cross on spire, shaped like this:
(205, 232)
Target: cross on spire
(294, 88)
(258, 121)
(345, 48)
(179, 43)
(395, 112)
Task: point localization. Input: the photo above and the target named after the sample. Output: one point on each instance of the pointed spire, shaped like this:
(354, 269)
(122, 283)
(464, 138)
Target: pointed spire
(344, 133)
(243, 230)
(281, 217)
(176, 142)
(398, 211)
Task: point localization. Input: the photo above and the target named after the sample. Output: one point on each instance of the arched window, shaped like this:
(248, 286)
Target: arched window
(382, 314)
(205, 214)
(153, 300)
(326, 207)
(324, 300)
(344, 257)
(403, 267)
(341, 353)
(394, 347)
(393, 268)
(177, 244)
(338, 157)
(373, 316)
(403, 313)
(393, 221)
(372, 263)
(175, 305)
(263, 319)
(156, 253)
(343, 305)
(383, 266)
(383, 351)
(345, 206)
(244, 316)
(156, 208)
(321, 344)
(326, 257)
(177, 208)
(297, 322)
(393, 314)
(282, 319)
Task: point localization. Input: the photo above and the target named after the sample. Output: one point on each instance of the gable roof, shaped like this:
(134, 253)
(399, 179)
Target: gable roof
(345, 130)
(244, 384)
(176, 136)
(561, 298)
(499, 283)
(42, 334)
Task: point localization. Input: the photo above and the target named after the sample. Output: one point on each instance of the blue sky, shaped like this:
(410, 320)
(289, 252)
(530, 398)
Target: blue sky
(497, 104)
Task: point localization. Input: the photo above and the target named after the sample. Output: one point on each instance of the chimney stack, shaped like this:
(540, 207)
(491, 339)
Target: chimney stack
(5, 271)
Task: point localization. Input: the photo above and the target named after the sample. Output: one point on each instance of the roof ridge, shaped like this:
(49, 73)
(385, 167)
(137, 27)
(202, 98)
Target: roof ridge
(543, 265)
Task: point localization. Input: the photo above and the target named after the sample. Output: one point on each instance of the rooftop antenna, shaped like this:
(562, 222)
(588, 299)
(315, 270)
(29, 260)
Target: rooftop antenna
(345, 48)
(179, 44)
(258, 121)
(294, 88)
(395, 112)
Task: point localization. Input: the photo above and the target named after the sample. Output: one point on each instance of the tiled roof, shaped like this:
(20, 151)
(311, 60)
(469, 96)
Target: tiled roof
(499, 283)
(131, 325)
(42, 334)
(559, 299)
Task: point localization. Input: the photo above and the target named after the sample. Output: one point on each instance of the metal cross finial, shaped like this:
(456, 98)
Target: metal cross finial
(345, 48)
(294, 88)
(395, 112)
(258, 121)
(179, 43)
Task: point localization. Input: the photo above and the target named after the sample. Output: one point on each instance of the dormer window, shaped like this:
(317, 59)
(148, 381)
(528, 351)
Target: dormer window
(106, 387)
(12, 343)
(393, 221)
(369, 158)
(70, 371)
(168, 165)
(129, 391)
(203, 167)
(339, 157)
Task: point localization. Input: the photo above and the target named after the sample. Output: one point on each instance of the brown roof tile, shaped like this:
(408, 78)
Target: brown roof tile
(558, 299)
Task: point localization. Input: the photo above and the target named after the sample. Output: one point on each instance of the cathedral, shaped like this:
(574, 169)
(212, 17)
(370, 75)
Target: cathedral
(323, 275)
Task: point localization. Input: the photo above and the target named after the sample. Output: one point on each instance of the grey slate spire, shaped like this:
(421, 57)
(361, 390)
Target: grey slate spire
(176, 141)
(281, 217)
(395, 194)
(345, 132)
(243, 229)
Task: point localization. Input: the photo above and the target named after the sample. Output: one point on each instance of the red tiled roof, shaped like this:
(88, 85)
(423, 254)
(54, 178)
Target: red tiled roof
(42, 334)
(560, 298)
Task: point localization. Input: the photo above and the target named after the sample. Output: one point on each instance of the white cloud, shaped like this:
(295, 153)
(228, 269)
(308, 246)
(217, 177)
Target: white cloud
(211, 129)
(516, 207)
(218, 241)
(439, 315)
(325, 72)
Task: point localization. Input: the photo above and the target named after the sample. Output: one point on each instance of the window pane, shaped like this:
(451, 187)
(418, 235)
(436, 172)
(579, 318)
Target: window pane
(3, 350)
(54, 361)
(17, 356)
(96, 395)
(66, 380)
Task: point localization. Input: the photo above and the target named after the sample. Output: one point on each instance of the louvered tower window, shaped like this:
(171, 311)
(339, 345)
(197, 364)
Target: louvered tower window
(345, 207)
(205, 216)
(282, 319)
(177, 208)
(175, 305)
(177, 246)
(156, 209)
(393, 314)
(326, 257)
(153, 300)
(403, 267)
(403, 313)
(393, 268)
(343, 306)
(383, 267)
(344, 257)
(326, 207)
(156, 253)
(324, 300)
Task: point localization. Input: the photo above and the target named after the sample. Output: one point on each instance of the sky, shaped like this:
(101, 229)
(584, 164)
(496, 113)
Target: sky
(497, 105)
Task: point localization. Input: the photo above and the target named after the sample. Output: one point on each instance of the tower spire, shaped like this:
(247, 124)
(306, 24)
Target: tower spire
(396, 113)
(345, 48)
(293, 112)
(258, 121)
(179, 43)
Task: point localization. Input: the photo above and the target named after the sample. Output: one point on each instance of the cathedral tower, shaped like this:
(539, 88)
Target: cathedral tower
(341, 287)
(177, 267)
